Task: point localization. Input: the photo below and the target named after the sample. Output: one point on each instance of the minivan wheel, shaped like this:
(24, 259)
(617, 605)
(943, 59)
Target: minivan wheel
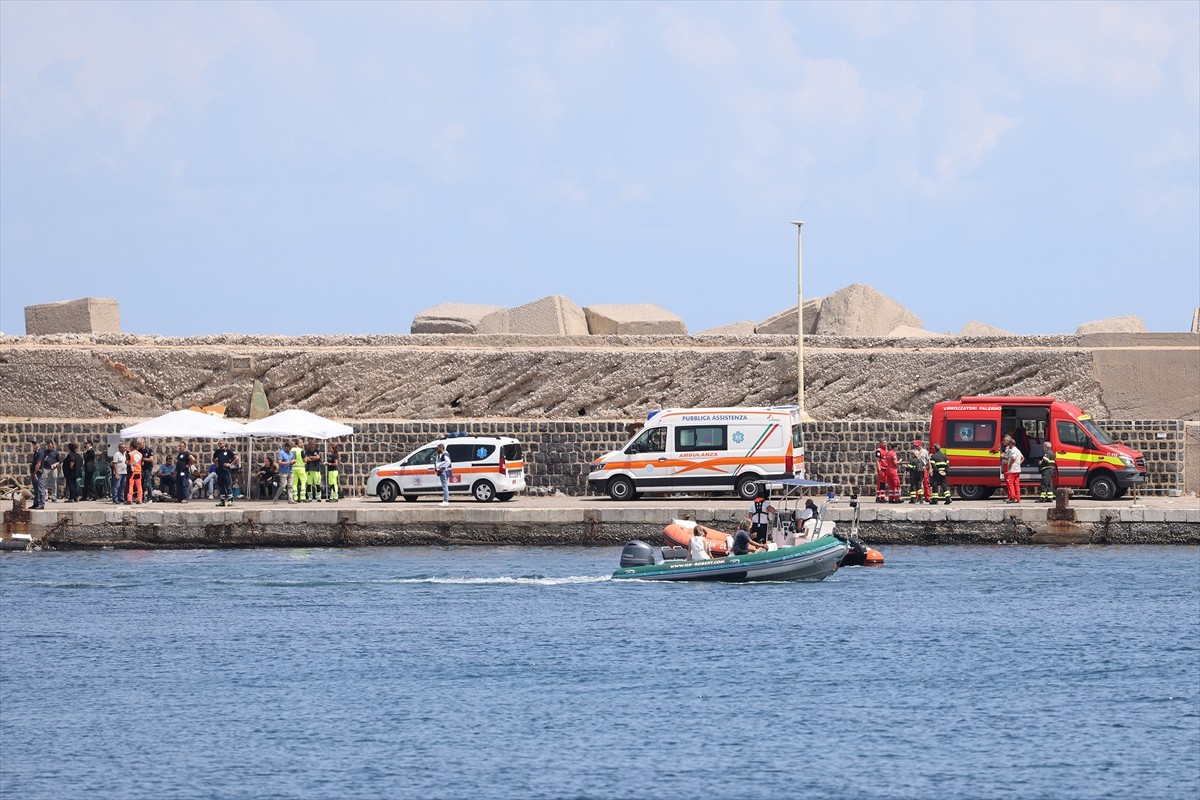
(1102, 487)
(621, 488)
(973, 491)
(387, 491)
(747, 488)
(484, 492)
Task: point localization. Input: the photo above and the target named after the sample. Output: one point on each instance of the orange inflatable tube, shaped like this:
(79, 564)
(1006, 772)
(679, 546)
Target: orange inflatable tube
(680, 532)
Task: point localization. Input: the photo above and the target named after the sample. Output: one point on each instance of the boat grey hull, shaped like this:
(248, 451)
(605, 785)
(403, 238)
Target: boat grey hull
(813, 561)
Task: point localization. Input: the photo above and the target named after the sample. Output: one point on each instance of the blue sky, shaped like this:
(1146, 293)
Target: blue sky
(336, 168)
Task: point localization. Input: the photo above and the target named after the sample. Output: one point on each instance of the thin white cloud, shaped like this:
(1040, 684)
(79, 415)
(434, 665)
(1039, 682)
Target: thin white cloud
(1118, 46)
(702, 43)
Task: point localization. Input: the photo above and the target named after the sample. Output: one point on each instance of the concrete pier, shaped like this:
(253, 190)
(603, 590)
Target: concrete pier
(561, 520)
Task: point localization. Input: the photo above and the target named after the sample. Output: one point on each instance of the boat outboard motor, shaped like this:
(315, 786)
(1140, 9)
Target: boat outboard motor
(637, 554)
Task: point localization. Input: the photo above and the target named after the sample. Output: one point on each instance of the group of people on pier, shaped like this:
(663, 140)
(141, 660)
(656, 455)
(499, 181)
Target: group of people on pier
(299, 472)
(926, 472)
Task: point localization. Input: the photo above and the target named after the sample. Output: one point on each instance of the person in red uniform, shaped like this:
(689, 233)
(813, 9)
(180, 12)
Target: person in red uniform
(892, 473)
(880, 473)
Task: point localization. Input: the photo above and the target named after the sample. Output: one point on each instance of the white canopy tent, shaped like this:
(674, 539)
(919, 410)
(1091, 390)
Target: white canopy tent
(296, 422)
(185, 424)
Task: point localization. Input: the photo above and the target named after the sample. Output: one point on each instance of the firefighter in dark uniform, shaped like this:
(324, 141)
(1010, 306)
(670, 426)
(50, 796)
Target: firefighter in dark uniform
(1047, 467)
(915, 464)
(939, 467)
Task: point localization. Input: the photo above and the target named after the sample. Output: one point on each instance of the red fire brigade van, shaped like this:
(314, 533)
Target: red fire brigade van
(969, 431)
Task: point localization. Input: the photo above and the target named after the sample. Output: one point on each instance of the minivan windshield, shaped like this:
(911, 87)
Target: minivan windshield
(1096, 431)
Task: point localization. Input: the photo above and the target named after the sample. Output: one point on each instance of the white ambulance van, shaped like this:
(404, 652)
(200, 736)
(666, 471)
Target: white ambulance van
(704, 450)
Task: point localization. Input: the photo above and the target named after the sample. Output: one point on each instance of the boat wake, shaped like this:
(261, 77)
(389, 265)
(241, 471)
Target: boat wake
(502, 580)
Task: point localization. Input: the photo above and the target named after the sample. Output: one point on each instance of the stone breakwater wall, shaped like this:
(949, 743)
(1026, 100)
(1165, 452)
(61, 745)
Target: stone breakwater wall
(571, 398)
(558, 453)
(446, 377)
(130, 528)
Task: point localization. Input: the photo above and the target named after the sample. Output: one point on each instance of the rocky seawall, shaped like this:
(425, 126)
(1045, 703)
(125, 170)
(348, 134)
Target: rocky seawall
(435, 377)
(573, 397)
(534, 522)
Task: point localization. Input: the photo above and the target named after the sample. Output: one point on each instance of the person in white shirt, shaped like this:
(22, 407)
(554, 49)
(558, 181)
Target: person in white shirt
(444, 469)
(698, 549)
(1012, 475)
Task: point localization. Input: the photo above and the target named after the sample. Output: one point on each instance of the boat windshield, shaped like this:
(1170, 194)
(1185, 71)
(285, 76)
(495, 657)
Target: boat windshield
(1096, 431)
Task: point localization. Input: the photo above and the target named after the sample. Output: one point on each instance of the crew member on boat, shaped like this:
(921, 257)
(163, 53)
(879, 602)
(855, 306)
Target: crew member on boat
(760, 516)
(743, 542)
(698, 547)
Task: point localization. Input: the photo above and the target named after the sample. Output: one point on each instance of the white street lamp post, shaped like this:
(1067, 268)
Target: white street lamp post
(799, 317)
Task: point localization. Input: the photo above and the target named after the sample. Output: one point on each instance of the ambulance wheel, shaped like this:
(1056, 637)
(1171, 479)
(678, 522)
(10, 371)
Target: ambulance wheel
(747, 488)
(621, 488)
(484, 491)
(387, 491)
(1102, 487)
(973, 491)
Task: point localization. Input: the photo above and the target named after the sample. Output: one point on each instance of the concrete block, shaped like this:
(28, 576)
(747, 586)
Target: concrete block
(632, 319)
(980, 329)
(461, 318)
(859, 310)
(376, 516)
(1125, 324)
(86, 315)
(785, 322)
(1175, 515)
(867, 514)
(1154, 515)
(1130, 515)
(113, 516)
(909, 332)
(551, 316)
(144, 517)
(743, 328)
(88, 517)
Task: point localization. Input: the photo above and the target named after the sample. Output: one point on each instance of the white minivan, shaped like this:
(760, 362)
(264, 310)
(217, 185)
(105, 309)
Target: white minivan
(489, 467)
(704, 450)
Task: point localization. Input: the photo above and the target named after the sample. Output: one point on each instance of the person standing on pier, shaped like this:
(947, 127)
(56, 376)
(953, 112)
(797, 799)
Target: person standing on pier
(72, 467)
(286, 461)
(226, 461)
(332, 463)
(312, 466)
(133, 468)
(1012, 470)
(184, 461)
(120, 475)
(147, 469)
(299, 479)
(1047, 466)
(89, 471)
(52, 465)
(444, 468)
(37, 474)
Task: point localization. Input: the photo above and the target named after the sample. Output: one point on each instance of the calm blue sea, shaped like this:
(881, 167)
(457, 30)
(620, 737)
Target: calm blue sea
(951, 672)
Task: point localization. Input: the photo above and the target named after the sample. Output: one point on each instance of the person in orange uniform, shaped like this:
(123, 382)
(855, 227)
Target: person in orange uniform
(133, 464)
